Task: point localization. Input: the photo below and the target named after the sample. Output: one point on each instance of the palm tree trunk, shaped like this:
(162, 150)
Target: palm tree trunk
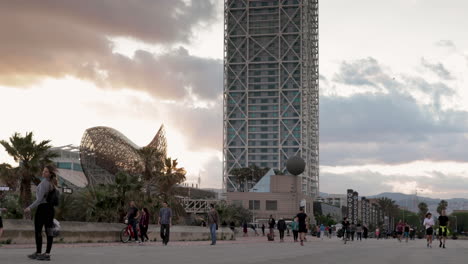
(25, 192)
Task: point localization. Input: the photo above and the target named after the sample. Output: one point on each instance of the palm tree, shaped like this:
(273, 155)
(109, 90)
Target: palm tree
(171, 176)
(423, 209)
(30, 156)
(442, 206)
(152, 167)
(389, 206)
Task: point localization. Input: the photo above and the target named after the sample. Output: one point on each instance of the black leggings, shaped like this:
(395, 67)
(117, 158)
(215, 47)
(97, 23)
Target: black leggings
(44, 218)
(281, 232)
(143, 233)
(295, 234)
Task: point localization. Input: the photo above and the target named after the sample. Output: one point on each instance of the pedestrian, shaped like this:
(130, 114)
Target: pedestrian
(322, 231)
(254, 228)
(443, 228)
(352, 230)
(165, 221)
(132, 216)
(271, 225)
(359, 232)
(213, 222)
(281, 228)
(263, 229)
(406, 232)
(365, 232)
(244, 227)
(295, 229)
(232, 226)
(44, 217)
(346, 229)
(144, 223)
(330, 231)
(428, 224)
(301, 218)
(377, 233)
(1, 221)
(399, 229)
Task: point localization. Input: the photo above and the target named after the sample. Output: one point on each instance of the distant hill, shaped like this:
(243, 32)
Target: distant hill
(411, 201)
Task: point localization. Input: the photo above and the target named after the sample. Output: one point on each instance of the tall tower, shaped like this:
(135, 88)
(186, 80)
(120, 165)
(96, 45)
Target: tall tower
(271, 93)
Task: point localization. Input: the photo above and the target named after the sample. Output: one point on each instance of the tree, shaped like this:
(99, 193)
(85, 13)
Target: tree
(232, 213)
(423, 209)
(8, 176)
(30, 156)
(152, 168)
(442, 206)
(171, 176)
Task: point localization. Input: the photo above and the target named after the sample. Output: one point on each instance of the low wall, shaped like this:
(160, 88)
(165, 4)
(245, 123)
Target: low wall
(22, 232)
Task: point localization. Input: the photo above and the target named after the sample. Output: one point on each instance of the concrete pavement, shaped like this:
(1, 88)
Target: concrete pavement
(249, 250)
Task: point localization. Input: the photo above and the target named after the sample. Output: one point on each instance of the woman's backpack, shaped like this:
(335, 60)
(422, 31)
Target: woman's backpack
(53, 197)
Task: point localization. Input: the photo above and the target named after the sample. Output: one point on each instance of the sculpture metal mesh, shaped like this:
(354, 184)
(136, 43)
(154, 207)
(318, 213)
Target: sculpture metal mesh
(105, 151)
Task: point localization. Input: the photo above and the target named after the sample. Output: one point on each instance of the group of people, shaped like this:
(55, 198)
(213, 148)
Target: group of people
(442, 232)
(47, 198)
(298, 227)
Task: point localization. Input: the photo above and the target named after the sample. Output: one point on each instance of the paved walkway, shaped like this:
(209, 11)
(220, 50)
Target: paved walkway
(248, 250)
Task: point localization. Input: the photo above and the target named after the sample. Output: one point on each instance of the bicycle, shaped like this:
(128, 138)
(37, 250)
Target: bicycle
(127, 232)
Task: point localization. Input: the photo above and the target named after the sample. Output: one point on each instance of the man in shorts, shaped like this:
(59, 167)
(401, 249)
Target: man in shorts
(443, 228)
(406, 232)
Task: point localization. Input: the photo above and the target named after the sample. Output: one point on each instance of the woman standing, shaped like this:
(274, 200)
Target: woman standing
(144, 222)
(428, 224)
(301, 218)
(45, 212)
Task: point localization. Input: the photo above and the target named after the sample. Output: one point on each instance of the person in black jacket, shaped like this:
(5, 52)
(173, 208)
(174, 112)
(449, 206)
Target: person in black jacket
(281, 227)
(271, 225)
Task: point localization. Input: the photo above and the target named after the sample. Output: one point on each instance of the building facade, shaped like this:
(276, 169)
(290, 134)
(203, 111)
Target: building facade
(271, 94)
(69, 170)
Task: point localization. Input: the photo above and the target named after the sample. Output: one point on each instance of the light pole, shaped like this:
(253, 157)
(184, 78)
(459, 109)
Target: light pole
(456, 224)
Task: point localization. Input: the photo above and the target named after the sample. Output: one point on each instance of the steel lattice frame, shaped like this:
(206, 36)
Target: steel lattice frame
(271, 93)
(105, 151)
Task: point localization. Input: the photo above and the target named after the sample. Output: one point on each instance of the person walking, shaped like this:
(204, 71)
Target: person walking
(281, 228)
(359, 232)
(322, 231)
(428, 224)
(165, 221)
(330, 231)
(271, 225)
(213, 222)
(443, 228)
(295, 229)
(1, 221)
(399, 229)
(245, 229)
(263, 229)
(346, 229)
(301, 218)
(377, 233)
(365, 232)
(406, 232)
(45, 211)
(352, 230)
(144, 223)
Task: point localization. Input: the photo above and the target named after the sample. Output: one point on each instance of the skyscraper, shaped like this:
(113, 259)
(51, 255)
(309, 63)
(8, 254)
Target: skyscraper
(271, 95)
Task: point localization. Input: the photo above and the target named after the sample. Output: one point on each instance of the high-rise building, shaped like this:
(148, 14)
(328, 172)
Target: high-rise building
(271, 93)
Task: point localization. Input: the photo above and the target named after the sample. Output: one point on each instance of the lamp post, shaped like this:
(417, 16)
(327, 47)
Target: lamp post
(456, 224)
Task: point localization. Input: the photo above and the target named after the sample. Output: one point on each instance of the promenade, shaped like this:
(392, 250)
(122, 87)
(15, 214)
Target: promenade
(248, 250)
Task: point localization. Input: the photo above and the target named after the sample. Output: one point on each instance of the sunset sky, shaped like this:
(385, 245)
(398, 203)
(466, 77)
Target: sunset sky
(393, 84)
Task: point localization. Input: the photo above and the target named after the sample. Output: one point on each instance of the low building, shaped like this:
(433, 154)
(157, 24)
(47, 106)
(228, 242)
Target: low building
(69, 170)
(277, 195)
(334, 212)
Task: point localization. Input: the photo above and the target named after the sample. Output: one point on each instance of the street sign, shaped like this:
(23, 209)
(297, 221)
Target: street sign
(4, 188)
(67, 190)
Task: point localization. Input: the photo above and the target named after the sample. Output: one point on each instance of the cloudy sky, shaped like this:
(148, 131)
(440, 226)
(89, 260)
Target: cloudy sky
(394, 77)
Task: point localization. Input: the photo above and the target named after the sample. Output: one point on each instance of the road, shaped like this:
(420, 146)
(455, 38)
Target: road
(246, 251)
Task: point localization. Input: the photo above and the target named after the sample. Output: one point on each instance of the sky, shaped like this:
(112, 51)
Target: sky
(393, 85)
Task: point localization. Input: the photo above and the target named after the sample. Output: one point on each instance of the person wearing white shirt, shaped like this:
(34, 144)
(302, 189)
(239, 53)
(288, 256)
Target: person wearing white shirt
(428, 224)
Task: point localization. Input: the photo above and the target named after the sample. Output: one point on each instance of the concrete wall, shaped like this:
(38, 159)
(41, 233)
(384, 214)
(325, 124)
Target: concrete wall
(22, 232)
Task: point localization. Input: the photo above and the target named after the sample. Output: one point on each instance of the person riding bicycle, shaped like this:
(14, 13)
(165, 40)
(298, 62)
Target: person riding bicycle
(346, 226)
(132, 215)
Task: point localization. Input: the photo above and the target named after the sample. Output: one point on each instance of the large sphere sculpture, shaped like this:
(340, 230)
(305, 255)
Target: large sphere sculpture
(295, 165)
